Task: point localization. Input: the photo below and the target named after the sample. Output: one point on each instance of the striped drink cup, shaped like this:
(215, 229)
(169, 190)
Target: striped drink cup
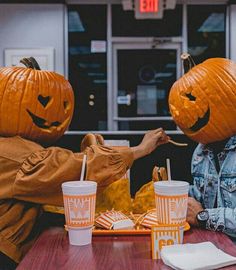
(79, 203)
(171, 199)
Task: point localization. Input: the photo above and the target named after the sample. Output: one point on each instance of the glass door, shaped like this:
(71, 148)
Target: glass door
(143, 75)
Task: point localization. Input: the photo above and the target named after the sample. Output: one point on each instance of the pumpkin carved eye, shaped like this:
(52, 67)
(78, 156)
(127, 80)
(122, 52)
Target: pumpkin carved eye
(190, 97)
(44, 100)
(66, 106)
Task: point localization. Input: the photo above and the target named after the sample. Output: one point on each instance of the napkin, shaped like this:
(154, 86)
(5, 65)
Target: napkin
(204, 256)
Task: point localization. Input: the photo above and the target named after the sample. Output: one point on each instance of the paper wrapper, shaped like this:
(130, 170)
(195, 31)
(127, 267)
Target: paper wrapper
(116, 196)
(114, 220)
(144, 199)
(150, 219)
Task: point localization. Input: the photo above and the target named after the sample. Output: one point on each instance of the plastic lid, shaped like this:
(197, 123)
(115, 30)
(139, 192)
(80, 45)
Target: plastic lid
(171, 187)
(79, 187)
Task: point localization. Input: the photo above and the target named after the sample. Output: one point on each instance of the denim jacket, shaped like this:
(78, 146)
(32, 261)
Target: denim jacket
(213, 189)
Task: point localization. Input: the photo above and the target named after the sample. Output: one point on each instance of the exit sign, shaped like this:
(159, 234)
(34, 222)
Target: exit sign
(148, 6)
(148, 9)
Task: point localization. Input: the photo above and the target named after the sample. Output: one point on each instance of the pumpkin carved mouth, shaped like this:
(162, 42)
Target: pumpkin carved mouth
(42, 123)
(201, 122)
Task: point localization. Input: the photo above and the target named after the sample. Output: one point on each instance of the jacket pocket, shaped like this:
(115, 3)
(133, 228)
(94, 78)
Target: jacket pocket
(229, 185)
(228, 191)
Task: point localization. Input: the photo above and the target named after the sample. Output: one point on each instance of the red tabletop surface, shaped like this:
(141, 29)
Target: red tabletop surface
(52, 251)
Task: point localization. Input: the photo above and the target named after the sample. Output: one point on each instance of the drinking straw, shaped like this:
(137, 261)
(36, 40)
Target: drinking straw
(83, 168)
(168, 169)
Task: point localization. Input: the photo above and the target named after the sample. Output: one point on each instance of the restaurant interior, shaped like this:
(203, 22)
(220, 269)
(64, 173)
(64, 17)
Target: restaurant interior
(121, 58)
(121, 64)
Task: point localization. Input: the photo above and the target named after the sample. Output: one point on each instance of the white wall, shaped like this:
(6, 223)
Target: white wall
(33, 26)
(232, 33)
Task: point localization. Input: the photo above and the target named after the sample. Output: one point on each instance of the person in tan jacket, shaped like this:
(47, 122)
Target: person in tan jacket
(31, 175)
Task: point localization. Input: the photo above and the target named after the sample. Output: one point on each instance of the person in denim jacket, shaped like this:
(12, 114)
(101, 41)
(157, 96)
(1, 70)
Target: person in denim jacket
(214, 177)
(202, 103)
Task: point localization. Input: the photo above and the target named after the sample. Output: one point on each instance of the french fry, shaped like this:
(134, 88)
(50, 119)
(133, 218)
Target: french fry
(178, 144)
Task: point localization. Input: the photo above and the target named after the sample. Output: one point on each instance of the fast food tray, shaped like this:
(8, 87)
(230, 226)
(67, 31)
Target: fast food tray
(139, 230)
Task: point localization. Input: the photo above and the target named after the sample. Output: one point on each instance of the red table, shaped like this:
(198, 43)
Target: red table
(52, 251)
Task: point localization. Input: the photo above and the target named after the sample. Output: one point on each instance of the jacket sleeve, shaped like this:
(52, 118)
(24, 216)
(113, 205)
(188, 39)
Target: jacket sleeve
(42, 173)
(222, 219)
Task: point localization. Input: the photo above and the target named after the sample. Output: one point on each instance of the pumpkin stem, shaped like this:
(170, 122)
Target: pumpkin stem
(188, 62)
(26, 62)
(30, 63)
(35, 63)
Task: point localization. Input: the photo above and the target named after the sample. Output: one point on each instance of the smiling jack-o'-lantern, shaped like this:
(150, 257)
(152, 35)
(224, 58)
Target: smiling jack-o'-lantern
(203, 101)
(35, 104)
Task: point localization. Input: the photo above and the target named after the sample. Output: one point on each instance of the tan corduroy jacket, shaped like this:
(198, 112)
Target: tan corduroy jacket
(31, 175)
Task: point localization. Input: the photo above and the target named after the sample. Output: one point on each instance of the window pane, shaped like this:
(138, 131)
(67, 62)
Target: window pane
(145, 76)
(87, 69)
(206, 31)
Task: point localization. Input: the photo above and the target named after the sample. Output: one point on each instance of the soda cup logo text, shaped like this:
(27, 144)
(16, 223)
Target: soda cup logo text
(178, 208)
(79, 210)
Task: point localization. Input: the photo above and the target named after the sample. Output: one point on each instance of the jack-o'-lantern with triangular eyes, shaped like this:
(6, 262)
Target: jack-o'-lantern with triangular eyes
(203, 101)
(35, 104)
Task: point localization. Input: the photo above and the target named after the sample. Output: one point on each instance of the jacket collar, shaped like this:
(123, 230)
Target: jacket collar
(230, 145)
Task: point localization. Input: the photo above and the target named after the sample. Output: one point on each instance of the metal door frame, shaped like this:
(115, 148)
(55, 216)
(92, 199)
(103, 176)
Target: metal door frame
(133, 44)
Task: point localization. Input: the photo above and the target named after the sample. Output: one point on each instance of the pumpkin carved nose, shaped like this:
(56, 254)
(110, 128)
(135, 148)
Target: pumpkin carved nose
(43, 100)
(190, 97)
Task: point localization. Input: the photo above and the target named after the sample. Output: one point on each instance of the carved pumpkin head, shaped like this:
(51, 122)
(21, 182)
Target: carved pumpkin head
(35, 104)
(203, 101)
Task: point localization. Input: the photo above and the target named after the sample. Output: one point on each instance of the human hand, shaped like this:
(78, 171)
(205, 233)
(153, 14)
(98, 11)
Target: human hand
(151, 140)
(193, 208)
(91, 139)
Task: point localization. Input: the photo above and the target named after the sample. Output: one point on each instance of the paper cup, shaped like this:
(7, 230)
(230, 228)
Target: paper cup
(79, 204)
(80, 237)
(165, 235)
(171, 199)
